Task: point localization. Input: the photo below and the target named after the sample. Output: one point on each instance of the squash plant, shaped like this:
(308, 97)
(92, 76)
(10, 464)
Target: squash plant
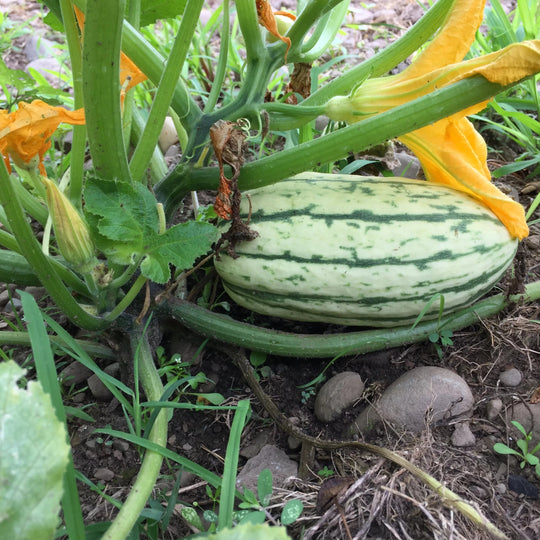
(112, 225)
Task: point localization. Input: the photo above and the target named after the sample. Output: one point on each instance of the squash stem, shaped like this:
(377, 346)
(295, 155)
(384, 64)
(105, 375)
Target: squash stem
(151, 464)
(224, 329)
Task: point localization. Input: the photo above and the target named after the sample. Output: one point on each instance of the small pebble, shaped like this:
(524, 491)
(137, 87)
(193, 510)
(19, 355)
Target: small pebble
(103, 474)
(98, 389)
(293, 443)
(122, 446)
(4, 298)
(493, 408)
(511, 377)
(337, 394)
(522, 486)
(463, 436)
(74, 373)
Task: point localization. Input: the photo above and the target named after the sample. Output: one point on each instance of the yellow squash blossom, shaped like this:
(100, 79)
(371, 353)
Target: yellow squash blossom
(25, 133)
(451, 151)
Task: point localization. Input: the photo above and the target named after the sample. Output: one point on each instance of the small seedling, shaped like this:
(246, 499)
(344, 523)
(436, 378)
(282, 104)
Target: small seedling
(253, 509)
(307, 393)
(325, 473)
(257, 360)
(441, 339)
(526, 455)
(257, 510)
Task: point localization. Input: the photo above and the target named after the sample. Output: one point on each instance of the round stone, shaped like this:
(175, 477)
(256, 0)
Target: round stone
(424, 395)
(337, 394)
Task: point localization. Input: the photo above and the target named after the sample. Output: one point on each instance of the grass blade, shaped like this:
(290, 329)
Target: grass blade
(228, 487)
(46, 372)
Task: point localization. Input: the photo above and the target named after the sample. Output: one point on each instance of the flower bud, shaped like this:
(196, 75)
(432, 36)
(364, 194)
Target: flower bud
(71, 231)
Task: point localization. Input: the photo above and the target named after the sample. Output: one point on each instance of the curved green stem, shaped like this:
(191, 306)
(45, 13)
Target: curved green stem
(101, 82)
(157, 166)
(8, 241)
(31, 204)
(14, 268)
(165, 90)
(225, 329)
(323, 35)
(151, 63)
(333, 146)
(126, 301)
(95, 350)
(307, 18)
(386, 59)
(151, 464)
(78, 147)
(221, 66)
(251, 31)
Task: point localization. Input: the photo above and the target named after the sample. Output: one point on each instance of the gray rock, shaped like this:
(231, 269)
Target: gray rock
(321, 122)
(423, 395)
(463, 436)
(337, 394)
(255, 446)
(293, 443)
(37, 292)
(528, 415)
(409, 166)
(50, 68)
(74, 373)
(4, 298)
(98, 389)
(270, 457)
(493, 408)
(511, 377)
(106, 475)
(14, 303)
(39, 47)
(122, 446)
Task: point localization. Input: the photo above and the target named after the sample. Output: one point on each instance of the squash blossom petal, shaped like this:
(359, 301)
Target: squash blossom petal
(276, 22)
(25, 133)
(71, 231)
(451, 151)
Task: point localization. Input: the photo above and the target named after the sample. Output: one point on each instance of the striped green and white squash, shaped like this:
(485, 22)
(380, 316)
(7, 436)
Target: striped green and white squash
(364, 251)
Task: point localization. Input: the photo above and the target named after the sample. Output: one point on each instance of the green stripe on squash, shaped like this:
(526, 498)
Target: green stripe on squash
(364, 251)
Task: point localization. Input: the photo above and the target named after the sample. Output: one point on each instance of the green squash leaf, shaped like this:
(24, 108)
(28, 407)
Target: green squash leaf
(125, 224)
(127, 211)
(180, 245)
(34, 456)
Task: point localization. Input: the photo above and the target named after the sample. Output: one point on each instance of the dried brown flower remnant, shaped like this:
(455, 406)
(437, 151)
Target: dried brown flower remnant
(301, 79)
(228, 140)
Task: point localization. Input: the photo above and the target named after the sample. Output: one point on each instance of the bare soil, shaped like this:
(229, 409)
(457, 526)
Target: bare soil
(384, 501)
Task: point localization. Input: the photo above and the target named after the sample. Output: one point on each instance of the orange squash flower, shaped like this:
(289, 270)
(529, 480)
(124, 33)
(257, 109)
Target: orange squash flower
(25, 133)
(451, 151)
